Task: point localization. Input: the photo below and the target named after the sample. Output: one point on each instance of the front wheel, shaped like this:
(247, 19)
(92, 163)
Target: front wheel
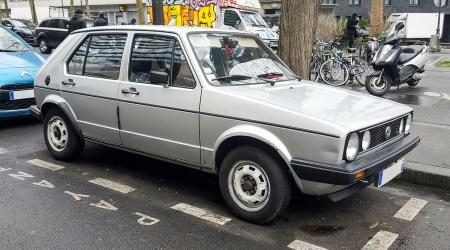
(413, 83)
(377, 85)
(334, 73)
(60, 137)
(254, 185)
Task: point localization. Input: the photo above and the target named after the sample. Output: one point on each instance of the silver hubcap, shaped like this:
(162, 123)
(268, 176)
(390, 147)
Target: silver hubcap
(249, 186)
(377, 85)
(43, 46)
(57, 134)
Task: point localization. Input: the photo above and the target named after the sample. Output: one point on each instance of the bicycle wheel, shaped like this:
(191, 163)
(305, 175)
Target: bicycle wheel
(314, 69)
(361, 70)
(334, 73)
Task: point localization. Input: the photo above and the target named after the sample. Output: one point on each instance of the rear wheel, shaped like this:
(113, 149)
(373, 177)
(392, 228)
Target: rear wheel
(43, 46)
(361, 70)
(413, 83)
(334, 73)
(60, 137)
(314, 69)
(377, 85)
(254, 185)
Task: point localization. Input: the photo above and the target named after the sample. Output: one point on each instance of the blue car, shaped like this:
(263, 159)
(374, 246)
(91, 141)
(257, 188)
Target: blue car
(19, 64)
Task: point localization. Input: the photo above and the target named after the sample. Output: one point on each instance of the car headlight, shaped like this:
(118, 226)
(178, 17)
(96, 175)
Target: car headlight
(352, 147)
(408, 123)
(365, 144)
(402, 126)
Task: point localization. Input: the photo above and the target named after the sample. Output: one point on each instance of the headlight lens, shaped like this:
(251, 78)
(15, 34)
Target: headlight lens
(352, 147)
(402, 125)
(365, 144)
(408, 123)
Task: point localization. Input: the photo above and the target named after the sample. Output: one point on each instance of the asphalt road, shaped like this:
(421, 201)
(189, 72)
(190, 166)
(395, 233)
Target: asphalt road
(45, 206)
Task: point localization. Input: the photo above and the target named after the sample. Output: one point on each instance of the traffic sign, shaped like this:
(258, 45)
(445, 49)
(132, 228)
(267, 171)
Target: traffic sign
(440, 3)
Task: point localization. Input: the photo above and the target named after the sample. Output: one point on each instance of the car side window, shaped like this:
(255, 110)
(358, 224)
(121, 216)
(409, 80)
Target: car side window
(99, 56)
(159, 60)
(181, 73)
(54, 23)
(231, 18)
(44, 23)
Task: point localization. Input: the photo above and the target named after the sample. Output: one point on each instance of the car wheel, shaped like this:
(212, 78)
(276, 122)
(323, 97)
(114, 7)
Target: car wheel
(60, 137)
(43, 46)
(254, 185)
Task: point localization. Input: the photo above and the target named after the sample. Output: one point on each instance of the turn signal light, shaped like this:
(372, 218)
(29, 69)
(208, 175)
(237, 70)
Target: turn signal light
(360, 175)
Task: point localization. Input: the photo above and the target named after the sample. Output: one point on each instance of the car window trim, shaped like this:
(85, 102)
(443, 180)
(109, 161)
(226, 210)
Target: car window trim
(79, 44)
(163, 34)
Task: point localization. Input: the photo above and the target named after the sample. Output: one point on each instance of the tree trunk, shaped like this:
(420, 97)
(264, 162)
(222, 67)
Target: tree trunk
(140, 12)
(88, 9)
(376, 18)
(33, 12)
(71, 9)
(6, 8)
(298, 29)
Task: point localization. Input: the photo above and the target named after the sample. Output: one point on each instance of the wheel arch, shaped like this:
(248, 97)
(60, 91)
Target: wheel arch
(55, 101)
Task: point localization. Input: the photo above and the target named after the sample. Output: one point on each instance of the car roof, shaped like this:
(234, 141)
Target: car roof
(52, 18)
(163, 28)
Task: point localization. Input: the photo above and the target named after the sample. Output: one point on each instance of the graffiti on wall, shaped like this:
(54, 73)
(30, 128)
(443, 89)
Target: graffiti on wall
(188, 12)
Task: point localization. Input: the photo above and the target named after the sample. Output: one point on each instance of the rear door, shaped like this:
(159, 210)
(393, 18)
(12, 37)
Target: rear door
(90, 83)
(159, 104)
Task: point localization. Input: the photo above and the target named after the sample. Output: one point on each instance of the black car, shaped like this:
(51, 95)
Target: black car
(21, 27)
(52, 31)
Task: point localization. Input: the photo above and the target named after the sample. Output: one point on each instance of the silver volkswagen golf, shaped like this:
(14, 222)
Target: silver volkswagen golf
(219, 101)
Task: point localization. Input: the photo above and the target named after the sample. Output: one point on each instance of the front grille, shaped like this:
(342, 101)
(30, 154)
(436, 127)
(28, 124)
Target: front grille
(17, 104)
(16, 87)
(378, 133)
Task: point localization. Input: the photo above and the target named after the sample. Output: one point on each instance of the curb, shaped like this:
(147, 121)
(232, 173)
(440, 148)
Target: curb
(427, 175)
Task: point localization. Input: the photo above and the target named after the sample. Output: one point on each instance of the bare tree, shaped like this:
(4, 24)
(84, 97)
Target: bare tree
(6, 8)
(140, 12)
(376, 17)
(33, 11)
(88, 9)
(71, 9)
(298, 29)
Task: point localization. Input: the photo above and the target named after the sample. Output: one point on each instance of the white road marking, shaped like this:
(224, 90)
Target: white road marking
(381, 241)
(112, 185)
(21, 175)
(433, 94)
(4, 169)
(46, 165)
(201, 213)
(301, 245)
(105, 205)
(44, 183)
(3, 151)
(146, 220)
(77, 197)
(410, 209)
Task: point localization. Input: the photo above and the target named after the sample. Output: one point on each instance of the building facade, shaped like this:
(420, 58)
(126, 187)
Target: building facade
(117, 12)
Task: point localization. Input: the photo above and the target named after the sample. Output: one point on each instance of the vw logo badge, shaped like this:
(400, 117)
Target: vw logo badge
(388, 132)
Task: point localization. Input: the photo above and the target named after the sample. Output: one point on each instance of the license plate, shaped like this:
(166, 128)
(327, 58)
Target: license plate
(21, 94)
(390, 173)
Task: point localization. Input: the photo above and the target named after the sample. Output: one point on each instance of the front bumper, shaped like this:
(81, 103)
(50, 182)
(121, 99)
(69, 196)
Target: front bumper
(345, 174)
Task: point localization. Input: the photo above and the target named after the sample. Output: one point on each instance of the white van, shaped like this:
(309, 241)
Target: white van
(418, 26)
(238, 14)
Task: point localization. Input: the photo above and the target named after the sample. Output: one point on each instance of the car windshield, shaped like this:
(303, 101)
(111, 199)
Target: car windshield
(253, 19)
(23, 23)
(236, 59)
(9, 43)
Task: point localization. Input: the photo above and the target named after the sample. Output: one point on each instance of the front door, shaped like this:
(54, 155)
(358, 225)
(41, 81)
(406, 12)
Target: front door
(159, 104)
(90, 85)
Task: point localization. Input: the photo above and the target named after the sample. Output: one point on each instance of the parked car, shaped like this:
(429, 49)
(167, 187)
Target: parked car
(52, 31)
(219, 101)
(22, 27)
(19, 64)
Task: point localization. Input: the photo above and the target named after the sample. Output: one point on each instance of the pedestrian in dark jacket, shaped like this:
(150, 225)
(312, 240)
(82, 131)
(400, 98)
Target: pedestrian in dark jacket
(351, 30)
(101, 20)
(77, 21)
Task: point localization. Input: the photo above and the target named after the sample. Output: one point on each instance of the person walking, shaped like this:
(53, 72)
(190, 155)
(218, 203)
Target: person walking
(351, 30)
(101, 20)
(77, 21)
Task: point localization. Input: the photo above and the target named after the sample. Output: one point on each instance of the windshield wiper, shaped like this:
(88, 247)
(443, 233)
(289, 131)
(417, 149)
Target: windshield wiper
(7, 50)
(232, 78)
(274, 75)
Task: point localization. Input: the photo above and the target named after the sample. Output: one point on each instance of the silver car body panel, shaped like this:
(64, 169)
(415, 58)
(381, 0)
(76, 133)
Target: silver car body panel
(298, 119)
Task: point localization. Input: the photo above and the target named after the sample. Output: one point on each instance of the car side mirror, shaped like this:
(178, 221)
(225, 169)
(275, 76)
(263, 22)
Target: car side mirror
(8, 25)
(67, 26)
(158, 77)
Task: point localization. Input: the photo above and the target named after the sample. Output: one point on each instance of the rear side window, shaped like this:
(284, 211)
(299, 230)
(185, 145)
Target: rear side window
(55, 23)
(99, 56)
(44, 23)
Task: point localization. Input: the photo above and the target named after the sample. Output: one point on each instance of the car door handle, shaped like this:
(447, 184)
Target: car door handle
(130, 91)
(68, 82)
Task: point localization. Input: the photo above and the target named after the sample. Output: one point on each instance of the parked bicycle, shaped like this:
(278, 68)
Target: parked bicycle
(322, 52)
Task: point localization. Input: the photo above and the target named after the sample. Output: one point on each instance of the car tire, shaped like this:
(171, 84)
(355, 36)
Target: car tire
(60, 137)
(255, 186)
(43, 46)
